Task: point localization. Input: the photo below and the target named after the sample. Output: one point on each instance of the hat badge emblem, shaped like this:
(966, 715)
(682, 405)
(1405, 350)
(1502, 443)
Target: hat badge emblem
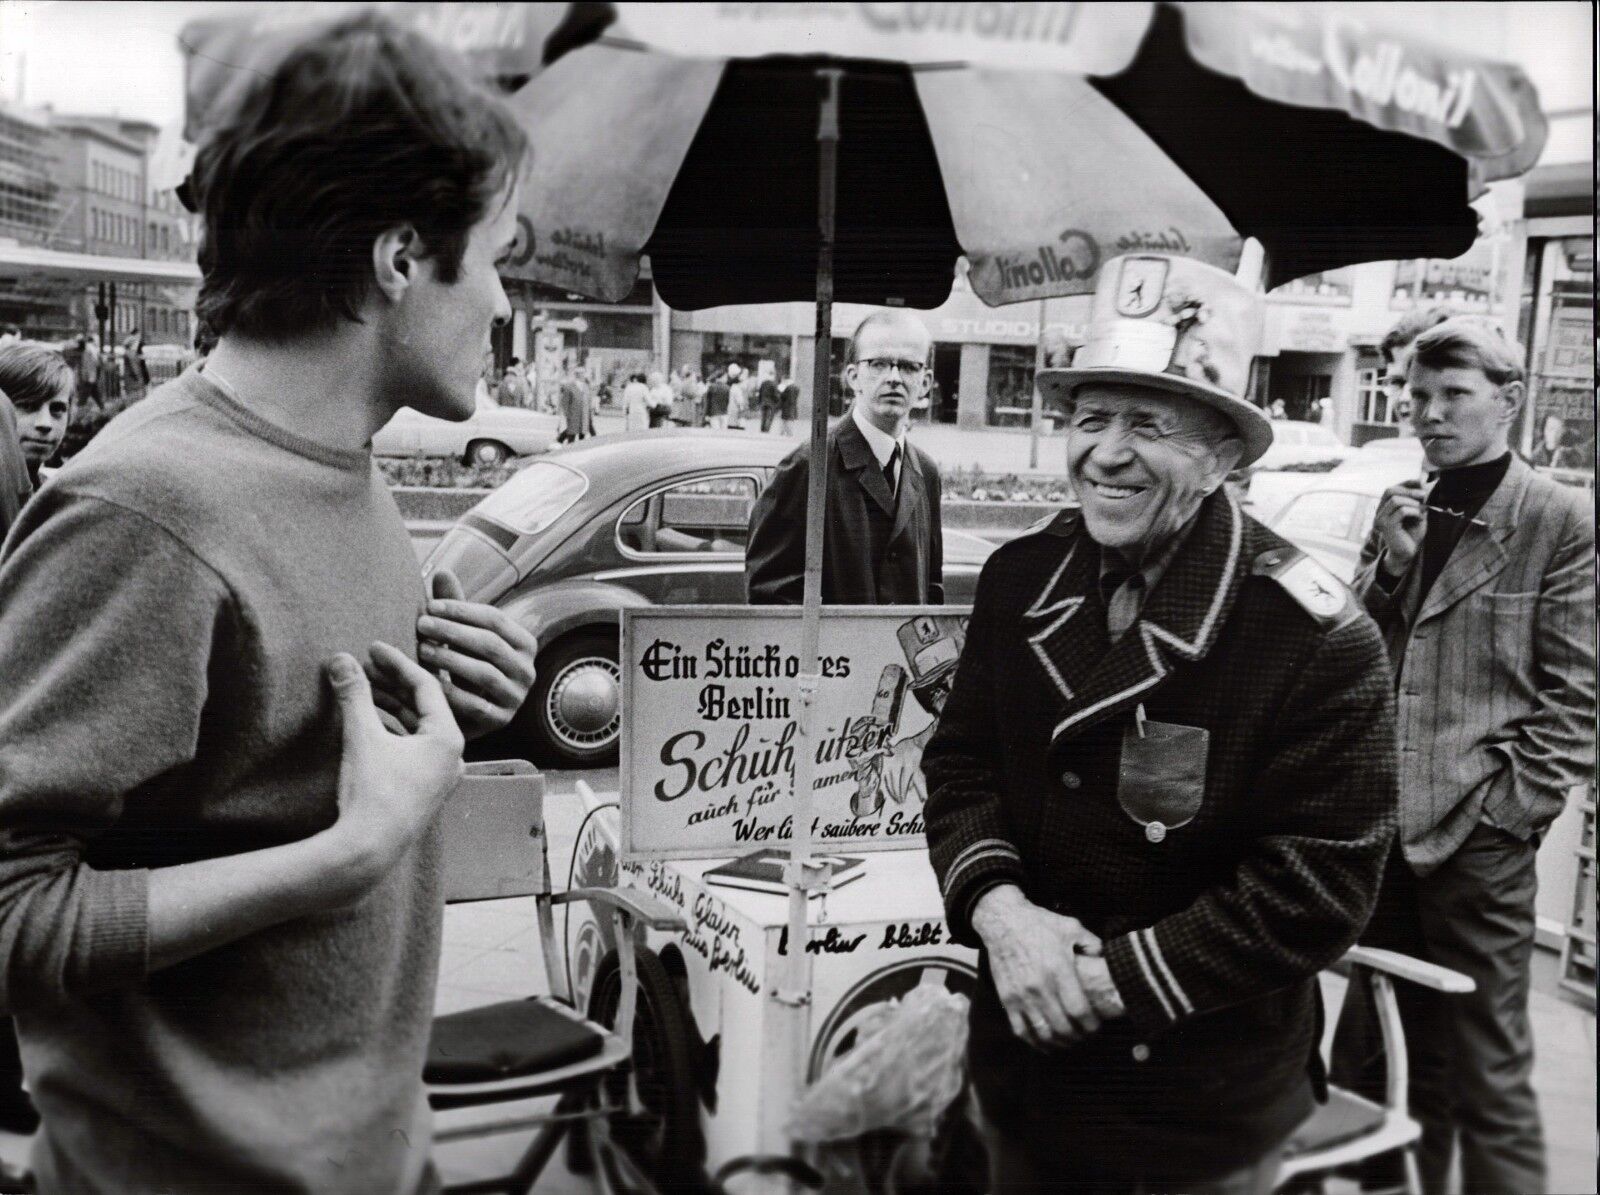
(1140, 285)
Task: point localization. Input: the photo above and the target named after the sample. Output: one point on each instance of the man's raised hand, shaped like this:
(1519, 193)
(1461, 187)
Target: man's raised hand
(391, 785)
(1400, 521)
(484, 657)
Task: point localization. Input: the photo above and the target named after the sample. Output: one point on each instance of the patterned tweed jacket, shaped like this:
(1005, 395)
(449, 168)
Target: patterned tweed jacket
(1495, 668)
(1220, 886)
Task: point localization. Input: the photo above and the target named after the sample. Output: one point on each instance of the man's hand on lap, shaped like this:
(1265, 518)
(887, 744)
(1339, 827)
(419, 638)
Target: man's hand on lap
(1094, 973)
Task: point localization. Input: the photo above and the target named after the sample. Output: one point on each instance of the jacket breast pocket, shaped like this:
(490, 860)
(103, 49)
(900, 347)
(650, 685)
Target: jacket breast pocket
(1506, 622)
(1161, 782)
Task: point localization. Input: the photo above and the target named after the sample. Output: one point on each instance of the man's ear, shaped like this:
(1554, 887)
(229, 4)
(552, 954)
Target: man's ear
(1225, 458)
(395, 255)
(1511, 396)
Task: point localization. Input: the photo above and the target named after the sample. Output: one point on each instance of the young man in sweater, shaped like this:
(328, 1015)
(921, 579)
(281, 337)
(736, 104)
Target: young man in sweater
(220, 904)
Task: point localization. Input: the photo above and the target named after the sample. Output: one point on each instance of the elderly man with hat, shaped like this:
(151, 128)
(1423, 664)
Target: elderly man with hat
(1163, 784)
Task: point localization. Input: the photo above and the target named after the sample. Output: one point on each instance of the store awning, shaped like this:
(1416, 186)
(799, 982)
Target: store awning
(1560, 190)
(25, 261)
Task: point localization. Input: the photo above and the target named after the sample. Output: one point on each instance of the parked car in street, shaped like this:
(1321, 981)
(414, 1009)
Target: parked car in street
(1330, 523)
(1297, 443)
(493, 434)
(646, 518)
(1394, 459)
(1330, 520)
(1328, 515)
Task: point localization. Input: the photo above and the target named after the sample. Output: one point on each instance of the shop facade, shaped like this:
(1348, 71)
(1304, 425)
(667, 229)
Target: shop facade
(1555, 321)
(982, 362)
(555, 333)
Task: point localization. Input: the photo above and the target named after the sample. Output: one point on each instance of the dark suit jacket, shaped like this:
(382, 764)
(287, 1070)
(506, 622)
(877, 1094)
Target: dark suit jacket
(1215, 926)
(877, 551)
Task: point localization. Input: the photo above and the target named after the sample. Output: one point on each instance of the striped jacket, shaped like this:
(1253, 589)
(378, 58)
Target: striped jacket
(1215, 926)
(1495, 668)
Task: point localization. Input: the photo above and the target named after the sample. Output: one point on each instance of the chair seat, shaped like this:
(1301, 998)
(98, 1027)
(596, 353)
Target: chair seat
(1345, 1117)
(512, 1039)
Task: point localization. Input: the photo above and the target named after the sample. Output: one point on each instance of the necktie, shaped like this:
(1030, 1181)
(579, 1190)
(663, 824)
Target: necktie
(1122, 608)
(889, 468)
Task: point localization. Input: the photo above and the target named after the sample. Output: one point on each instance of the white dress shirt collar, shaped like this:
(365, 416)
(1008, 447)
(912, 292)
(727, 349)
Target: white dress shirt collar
(881, 442)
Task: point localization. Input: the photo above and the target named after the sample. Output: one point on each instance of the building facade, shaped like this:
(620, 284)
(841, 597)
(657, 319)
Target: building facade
(983, 358)
(110, 208)
(100, 175)
(30, 210)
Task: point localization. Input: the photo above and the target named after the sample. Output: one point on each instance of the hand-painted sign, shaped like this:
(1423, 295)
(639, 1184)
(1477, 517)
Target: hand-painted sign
(710, 726)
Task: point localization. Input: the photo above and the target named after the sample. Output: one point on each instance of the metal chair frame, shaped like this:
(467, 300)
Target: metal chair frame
(495, 848)
(1397, 1130)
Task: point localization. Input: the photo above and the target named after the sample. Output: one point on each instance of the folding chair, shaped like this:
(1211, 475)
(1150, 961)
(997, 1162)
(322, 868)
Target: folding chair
(1350, 1128)
(497, 1058)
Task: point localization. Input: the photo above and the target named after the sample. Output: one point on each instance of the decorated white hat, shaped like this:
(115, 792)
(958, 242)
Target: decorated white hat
(1175, 324)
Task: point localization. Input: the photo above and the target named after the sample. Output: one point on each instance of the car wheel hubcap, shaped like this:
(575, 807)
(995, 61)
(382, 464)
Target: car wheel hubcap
(584, 709)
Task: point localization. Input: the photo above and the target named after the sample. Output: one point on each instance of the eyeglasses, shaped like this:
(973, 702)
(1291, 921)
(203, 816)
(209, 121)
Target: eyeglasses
(879, 366)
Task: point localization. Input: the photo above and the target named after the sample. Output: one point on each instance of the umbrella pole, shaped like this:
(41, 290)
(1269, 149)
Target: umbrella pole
(795, 996)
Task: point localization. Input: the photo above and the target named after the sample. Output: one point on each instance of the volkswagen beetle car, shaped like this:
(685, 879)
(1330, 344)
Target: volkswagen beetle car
(584, 532)
(493, 434)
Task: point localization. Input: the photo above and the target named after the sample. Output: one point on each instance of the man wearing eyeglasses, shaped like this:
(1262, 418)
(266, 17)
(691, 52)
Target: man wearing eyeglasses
(1163, 782)
(882, 541)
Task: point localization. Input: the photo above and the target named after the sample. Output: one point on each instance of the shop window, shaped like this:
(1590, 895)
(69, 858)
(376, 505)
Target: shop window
(1374, 400)
(1462, 284)
(1561, 382)
(1301, 395)
(721, 349)
(1010, 397)
(709, 515)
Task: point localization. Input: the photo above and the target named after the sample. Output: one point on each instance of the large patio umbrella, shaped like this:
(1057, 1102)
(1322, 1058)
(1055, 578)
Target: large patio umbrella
(226, 52)
(762, 153)
(1187, 128)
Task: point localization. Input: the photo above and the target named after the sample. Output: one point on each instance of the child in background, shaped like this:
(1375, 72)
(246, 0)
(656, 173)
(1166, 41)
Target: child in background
(41, 385)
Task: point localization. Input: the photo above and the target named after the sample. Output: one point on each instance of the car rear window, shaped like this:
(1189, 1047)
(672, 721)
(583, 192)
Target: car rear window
(536, 497)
